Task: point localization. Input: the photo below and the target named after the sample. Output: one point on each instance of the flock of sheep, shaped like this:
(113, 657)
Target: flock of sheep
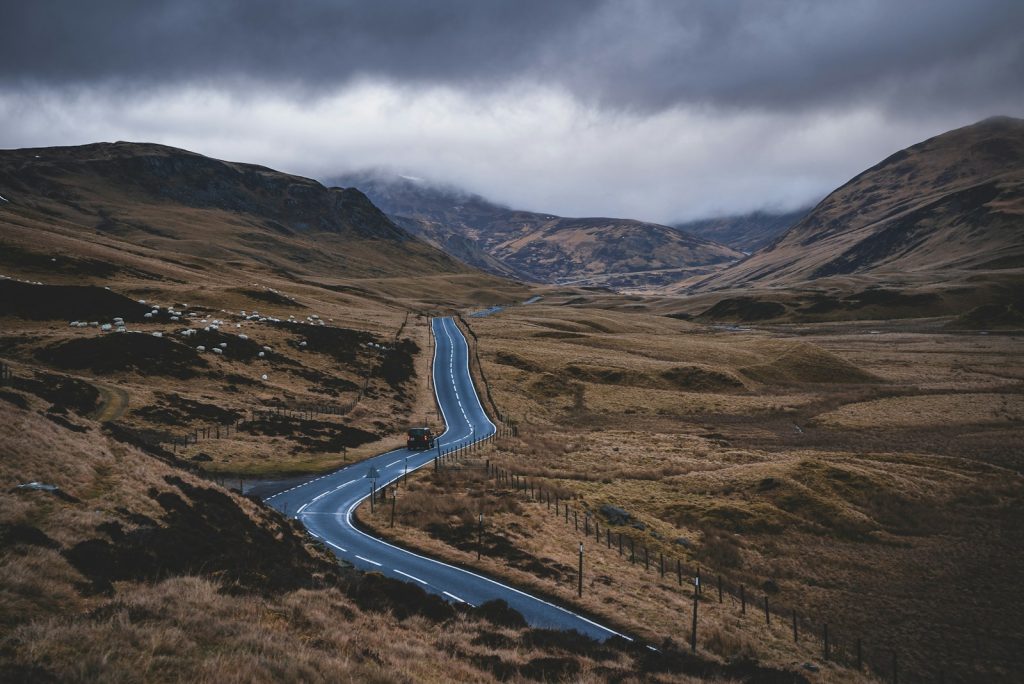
(212, 324)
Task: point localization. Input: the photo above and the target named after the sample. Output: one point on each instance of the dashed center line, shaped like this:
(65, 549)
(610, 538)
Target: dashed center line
(368, 560)
(405, 574)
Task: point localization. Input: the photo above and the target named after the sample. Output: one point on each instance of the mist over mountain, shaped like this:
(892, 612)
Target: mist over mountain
(950, 204)
(612, 252)
(745, 232)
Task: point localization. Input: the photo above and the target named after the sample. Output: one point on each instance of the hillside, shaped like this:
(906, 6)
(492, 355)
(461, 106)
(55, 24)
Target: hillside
(949, 207)
(209, 213)
(610, 252)
(745, 232)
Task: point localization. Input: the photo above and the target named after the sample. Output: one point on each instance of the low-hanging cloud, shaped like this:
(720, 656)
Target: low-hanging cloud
(660, 110)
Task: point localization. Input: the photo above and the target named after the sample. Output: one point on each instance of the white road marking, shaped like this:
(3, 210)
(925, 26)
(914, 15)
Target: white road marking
(301, 508)
(392, 463)
(453, 596)
(337, 547)
(320, 496)
(405, 574)
(368, 560)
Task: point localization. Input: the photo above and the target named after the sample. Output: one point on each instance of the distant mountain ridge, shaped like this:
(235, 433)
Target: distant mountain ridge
(952, 203)
(211, 212)
(612, 252)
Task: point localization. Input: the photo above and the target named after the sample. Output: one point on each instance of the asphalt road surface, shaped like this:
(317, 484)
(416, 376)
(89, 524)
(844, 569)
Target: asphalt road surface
(325, 504)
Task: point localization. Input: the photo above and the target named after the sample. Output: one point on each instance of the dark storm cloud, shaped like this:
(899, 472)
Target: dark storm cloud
(647, 55)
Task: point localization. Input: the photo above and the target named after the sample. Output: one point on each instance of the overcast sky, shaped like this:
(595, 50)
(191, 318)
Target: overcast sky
(658, 110)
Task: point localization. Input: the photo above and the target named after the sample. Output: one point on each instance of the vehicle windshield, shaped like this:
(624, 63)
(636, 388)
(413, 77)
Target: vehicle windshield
(418, 432)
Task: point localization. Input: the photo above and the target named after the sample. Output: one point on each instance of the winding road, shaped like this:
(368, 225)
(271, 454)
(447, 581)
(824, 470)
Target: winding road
(325, 504)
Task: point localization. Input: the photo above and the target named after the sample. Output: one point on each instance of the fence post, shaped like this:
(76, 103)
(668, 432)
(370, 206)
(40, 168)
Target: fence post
(743, 599)
(661, 556)
(719, 588)
(480, 536)
(394, 502)
(586, 523)
(767, 615)
(575, 521)
(580, 589)
(620, 544)
(679, 571)
(632, 550)
(796, 637)
(693, 630)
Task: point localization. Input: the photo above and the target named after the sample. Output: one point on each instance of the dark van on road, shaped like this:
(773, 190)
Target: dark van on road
(420, 438)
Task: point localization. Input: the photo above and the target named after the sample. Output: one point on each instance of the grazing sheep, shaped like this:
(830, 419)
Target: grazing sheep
(218, 351)
(263, 377)
(302, 344)
(223, 345)
(158, 334)
(105, 327)
(262, 354)
(266, 348)
(175, 318)
(243, 337)
(147, 315)
(200, 349)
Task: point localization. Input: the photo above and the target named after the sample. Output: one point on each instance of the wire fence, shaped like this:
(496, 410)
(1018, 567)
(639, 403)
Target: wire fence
(832, 642)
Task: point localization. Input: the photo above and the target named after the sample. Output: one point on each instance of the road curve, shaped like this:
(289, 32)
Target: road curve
(325, 504)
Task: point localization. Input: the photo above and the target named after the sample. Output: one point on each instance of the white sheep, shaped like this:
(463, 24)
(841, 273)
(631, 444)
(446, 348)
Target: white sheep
(262, 354)
(302, 344)
(200, 349)
(223, 345)
(142, 301)
(147, 315)
(266, 348)
(218, 351)
(175, 318)
(263, 377)
(243, 337)
(106, 327)
(158, 334)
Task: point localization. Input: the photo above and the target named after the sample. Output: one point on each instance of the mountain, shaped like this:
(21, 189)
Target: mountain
(611, 252)
(745, 232)
(208, 213)
(951, 205)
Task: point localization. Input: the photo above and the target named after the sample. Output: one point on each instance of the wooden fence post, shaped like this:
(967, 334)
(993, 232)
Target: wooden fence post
(743, 599)
(767, 615)
(693, 629)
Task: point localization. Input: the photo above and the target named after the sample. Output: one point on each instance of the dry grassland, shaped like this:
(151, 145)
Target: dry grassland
(868, 480)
